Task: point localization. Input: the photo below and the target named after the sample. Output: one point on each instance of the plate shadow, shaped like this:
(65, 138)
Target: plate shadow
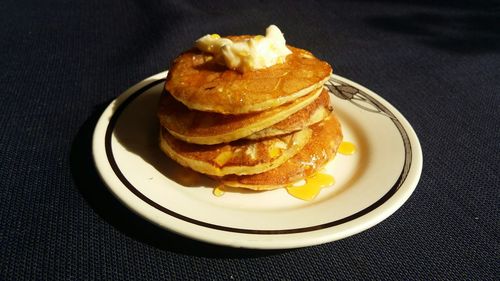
(112, 211)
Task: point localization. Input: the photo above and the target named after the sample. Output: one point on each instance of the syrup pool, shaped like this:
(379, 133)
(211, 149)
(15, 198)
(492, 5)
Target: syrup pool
(312, 186)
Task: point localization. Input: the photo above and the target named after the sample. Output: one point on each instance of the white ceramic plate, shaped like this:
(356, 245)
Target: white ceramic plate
(370, 185)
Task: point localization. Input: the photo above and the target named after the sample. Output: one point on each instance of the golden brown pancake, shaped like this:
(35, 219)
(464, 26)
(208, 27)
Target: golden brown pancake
(211, 128)
(196, 80)
(309, 115)
(322, 147)
(241, 157)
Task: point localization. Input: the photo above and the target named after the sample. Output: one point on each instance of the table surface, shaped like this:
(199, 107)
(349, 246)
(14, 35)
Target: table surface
(62, 62)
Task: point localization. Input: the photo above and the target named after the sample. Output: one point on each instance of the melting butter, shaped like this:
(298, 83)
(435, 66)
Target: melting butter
(253, 53)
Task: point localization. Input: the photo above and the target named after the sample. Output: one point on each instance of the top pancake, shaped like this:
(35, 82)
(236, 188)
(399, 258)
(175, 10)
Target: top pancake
(196, 80)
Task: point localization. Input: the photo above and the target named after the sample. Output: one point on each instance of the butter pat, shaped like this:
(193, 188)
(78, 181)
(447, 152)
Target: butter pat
(253, 53)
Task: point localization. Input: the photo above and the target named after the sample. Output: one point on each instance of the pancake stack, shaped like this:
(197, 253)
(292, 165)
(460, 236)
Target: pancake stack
(260, 129)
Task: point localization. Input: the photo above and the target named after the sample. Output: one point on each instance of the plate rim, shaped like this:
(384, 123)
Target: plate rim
(372, 215)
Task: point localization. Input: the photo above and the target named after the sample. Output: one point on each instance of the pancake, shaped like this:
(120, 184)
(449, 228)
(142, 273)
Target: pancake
(211, 128)
(197, 81)
(309, 115)
(322, 147)
(241, 157)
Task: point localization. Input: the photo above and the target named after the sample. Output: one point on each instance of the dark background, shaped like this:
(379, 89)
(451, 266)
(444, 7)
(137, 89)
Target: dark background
(62, 62)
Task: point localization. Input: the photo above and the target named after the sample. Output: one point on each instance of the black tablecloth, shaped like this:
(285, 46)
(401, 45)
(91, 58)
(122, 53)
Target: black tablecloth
(62, 62)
